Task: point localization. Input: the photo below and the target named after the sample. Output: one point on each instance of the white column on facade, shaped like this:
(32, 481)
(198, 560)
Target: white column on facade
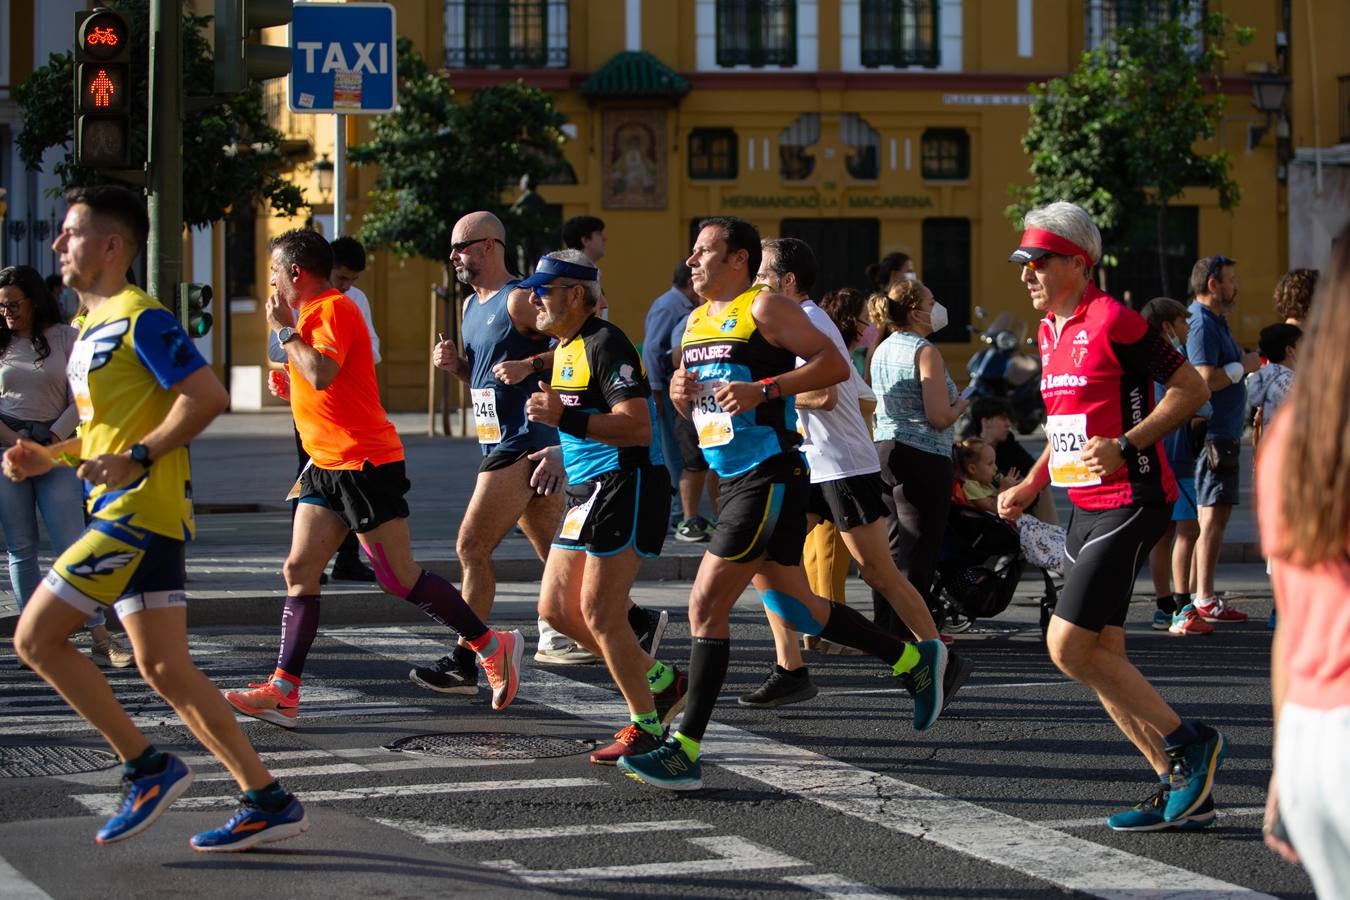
(632, 24)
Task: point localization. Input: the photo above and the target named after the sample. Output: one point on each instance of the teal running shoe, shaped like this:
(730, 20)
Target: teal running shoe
(144, 800)
(1147, 815)
(252, 826)
(1192, 775)
(666, 767)
(925, 682)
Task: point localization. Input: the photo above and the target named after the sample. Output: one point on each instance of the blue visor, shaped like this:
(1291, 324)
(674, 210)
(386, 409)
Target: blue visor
(550, 268)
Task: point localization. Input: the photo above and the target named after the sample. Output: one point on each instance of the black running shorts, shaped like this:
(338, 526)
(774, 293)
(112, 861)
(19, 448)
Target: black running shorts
(763, 511)
(849, 502)
(618, 510)
(1104, 552)
(366, 498)
(686, 435)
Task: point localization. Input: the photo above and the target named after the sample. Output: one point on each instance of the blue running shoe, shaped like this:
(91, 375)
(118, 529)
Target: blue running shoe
(925, 683)
(1161, 620)
(144, 799)
(1147, 815)
(252, 826)
(665, 767)
(1192, 775)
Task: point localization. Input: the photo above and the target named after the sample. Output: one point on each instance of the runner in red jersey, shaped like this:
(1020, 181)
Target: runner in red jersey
(1099, 359)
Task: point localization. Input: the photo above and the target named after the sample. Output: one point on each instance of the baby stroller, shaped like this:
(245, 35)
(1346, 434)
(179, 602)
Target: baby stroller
(978, 570)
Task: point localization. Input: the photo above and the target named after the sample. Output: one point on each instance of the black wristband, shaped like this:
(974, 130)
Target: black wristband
(574, 422)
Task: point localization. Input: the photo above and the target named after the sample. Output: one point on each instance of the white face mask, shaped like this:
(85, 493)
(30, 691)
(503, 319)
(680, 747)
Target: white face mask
(938, 316)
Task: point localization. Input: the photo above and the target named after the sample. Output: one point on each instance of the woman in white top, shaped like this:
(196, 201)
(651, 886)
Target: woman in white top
(36, 403)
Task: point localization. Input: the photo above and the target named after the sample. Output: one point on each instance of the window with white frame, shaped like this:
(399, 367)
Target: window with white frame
(756, 35)
(506, 34)
(864, 143)
(1105, 18)
(921, 35)
(794, 163)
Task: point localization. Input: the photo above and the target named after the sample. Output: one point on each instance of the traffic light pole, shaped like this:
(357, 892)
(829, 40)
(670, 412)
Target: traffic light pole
(164, 256)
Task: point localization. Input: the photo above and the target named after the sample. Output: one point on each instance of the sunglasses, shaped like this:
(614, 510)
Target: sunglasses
(461, 246)
(1037, 265)
(1216, 264)
(543, 290)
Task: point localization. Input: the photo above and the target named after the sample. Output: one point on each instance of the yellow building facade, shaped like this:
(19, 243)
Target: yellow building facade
(862, 126)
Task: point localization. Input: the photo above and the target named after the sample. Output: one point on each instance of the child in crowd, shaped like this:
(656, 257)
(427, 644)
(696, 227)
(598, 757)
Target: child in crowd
(977, 470)
(1268, 385)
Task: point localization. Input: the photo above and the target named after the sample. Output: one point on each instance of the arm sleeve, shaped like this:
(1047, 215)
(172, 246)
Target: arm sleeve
(1142, 350)
(275, 352)
(164, 347)
(621, 371)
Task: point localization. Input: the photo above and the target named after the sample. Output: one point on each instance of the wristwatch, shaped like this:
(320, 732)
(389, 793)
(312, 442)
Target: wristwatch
(285, 333)
(140, 454)
(1124, 444)
(538, 362)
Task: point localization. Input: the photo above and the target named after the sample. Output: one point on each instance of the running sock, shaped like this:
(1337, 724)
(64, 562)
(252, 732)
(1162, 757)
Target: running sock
(637, 620)
(485, 644)
(292, 682)
(1165, 779)
(440, 600)
(150, 762)
(299, 625)
(708, 659)
(464, 657)
(909, 658)
(1186, 734)
(690, 746)
(649, 722)
(660, 677)
(272, 798)
(847, 626)
(1167, 603)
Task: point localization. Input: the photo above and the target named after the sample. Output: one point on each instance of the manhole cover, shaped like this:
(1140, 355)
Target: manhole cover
(489, 745)
(29, 762)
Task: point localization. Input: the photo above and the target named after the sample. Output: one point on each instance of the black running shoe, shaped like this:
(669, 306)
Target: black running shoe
(352, 569)
(652, 630)
(780, 689)
(958, 670)
(447, 676)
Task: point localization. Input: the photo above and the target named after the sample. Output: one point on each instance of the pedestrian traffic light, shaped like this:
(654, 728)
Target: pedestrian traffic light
(240, 57)
(191, 309)
(102, 80)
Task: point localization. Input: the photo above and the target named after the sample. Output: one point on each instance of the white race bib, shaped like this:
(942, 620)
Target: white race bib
(485, 415)
(1068, 437)
(711, 421)
(576, 517)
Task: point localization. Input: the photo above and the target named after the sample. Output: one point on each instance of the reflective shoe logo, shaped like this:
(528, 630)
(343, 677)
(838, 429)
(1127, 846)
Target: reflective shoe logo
(675, 764)
(923, 679)
(248, 826)
(145, 798)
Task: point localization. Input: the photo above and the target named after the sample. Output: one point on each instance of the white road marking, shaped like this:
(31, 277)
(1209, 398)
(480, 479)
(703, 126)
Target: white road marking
(996, 838)
(733, 854)
(107, 804)
(1234, 812)
(14, 886)
(452, 834)
(836, 886)
(393, 765)
(969, 687)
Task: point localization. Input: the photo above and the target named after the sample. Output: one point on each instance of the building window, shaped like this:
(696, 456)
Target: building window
(712, 153)
(900, 33)
(506, 34)
(946, 154)
(864, 143)
(757, 32)
(1104, 18)
(794, 163)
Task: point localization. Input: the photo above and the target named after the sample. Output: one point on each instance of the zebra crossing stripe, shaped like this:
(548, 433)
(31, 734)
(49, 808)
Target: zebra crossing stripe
(731, 854)
(453, 834)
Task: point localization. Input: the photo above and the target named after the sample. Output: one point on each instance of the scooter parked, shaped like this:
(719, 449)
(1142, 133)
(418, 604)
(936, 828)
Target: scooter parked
(1007, 366)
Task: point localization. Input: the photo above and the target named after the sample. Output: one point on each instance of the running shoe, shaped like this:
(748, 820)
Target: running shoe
(275, 700)
(352, 569)
(1219, 611)
(958, 670)
(649, 638)
(666, 767)
(144, 800)
(447, 676)
(670, 701)
(112, 653)
(692, 531)
(1147, 815)
(503, 667)
(925, 682)
(629, 740)
(569, 654)
(252, 826)
(1192, 774)
(1162, 620)
(1270, 622)
(1188, 621)
(780, 689)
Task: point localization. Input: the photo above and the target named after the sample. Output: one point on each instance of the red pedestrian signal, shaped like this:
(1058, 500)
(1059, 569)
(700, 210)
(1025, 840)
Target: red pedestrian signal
(102, 110)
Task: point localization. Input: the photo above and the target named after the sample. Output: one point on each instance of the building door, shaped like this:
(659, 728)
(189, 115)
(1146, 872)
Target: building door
(844, 249)
(946, 272)
(1137, 278)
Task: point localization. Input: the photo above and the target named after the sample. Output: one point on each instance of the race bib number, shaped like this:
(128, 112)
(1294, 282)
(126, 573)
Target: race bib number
(294, 492)
(77, 371)
(576, 517)
(1068, 437)
(485, 416)
(711, 421)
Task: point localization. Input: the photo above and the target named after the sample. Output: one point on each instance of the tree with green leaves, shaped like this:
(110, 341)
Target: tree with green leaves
(440, 158)
(1119, 134)
(231, 156)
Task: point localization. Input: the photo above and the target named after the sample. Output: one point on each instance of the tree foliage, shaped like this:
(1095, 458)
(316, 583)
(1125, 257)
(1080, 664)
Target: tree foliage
(440, 158)
(231, 156)
(1119, 134)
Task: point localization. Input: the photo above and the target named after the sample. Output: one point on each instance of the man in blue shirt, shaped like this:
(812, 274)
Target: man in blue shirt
(1223, 364)
(665, 311)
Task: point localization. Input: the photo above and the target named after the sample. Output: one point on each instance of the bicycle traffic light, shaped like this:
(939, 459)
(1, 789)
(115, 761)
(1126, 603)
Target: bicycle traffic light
(240, 57)
(102, 82)
(191, 305)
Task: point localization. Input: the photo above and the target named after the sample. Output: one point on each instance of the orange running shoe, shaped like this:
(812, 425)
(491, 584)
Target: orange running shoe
(629, 740)
(275, 700)
(502, 668)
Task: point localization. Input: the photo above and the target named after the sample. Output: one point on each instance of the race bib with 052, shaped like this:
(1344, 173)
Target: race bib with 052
(1068, 436)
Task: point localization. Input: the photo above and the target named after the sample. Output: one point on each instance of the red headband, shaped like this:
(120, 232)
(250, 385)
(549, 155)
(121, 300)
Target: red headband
(1048, 240)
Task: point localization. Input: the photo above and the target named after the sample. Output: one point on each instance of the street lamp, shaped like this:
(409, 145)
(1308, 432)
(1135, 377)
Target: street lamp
(1268, 93)
(323, 175)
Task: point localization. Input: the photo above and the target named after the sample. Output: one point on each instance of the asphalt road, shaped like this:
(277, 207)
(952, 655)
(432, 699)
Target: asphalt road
(836, 797)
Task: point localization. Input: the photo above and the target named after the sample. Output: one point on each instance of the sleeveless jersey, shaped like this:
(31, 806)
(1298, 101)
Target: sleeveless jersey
(130, 352)
(489, 338)
(727, 346)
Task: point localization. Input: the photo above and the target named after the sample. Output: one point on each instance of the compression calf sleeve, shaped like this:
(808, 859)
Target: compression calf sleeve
(848, 627)
(440, 600)
(299, 625)
(708, 659)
